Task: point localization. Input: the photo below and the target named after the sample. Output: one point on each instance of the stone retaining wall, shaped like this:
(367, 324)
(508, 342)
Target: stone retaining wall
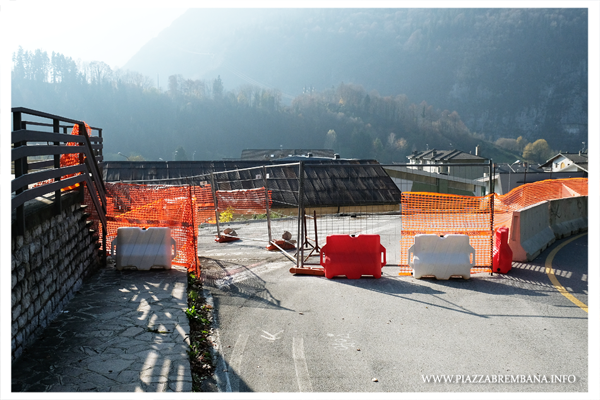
(49, 263)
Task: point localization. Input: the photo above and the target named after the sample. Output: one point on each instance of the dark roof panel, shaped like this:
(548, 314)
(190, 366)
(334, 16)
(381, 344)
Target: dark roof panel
(328, 183)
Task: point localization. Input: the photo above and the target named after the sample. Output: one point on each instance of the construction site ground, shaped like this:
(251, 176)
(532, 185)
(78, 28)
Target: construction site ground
(279, 332)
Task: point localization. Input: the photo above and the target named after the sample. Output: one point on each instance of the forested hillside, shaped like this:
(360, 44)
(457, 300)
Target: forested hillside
(506, 72)
(210, 123)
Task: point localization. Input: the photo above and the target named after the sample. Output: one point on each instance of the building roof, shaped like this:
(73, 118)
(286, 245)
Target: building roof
(328, 182)
(580, 159)
(441, 156)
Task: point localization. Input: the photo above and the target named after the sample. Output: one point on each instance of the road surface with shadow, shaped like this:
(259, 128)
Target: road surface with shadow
(284, 333)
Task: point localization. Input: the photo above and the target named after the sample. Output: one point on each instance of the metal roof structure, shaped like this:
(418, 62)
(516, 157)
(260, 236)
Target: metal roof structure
(439, 156)
(327, 182)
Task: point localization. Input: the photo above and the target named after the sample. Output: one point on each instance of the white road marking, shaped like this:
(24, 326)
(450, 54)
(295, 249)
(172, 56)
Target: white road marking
(270, 336)
(304, 384)
(236, 362)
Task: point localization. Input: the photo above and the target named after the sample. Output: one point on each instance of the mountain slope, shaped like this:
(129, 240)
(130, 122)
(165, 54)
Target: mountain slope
(507, 72)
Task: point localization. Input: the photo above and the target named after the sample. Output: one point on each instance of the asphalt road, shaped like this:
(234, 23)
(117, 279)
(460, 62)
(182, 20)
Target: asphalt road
(278, 332)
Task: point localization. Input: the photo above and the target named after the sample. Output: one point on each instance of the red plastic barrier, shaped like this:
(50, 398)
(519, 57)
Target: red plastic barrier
(353, 256)
(503, 254)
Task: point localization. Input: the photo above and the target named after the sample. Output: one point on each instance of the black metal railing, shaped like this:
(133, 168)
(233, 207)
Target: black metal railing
(36, 156)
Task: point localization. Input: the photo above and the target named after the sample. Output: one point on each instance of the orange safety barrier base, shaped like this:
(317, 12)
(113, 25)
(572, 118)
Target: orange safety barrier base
(316, 271)
(226, 239)
(285, 245)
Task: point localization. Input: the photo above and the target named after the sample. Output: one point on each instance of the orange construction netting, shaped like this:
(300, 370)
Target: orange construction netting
(146, 206)
(67, 160)
(533, 193)
(180, 208)
(243, 201)
(441, 214)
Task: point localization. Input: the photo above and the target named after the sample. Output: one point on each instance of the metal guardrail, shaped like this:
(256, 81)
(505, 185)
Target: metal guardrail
(36, 157)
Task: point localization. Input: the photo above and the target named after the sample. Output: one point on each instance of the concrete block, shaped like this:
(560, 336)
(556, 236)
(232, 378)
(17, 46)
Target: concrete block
(530, 232)
(568, 216)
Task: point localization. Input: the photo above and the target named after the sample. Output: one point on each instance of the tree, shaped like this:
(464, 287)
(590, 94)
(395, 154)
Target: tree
(100, 72)
(538, 151)
(180, 154)
(521, 142)
(330, 139)
(217, 88)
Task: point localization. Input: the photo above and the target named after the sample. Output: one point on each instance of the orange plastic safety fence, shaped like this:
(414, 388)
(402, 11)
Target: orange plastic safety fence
(146, 206)
(204, 204)
(244, 201)
(67, 160)
(533, 193)
(441, 214)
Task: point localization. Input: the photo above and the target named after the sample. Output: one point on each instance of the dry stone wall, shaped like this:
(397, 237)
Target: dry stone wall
(49, 263)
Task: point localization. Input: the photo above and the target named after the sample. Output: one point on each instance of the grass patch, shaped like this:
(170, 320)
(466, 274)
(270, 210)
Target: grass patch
(200, 320)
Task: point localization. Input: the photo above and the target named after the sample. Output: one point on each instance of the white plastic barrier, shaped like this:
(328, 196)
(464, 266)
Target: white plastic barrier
(144, 248)
(442, 257)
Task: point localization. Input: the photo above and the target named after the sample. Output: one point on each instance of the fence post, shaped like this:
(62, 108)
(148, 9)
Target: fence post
(214, 195)
(57, 193)
(267, 203)
(20, 169)
(492, 196)
(300, 252)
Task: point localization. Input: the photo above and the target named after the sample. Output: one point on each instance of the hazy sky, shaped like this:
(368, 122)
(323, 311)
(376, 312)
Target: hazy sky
(108, 31)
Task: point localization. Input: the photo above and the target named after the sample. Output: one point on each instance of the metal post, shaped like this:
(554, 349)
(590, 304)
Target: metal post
(20, 169)
(214, 194)
(300, 257)
(57, 195)
(99, 151)
(267, 203)
(493, 194)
